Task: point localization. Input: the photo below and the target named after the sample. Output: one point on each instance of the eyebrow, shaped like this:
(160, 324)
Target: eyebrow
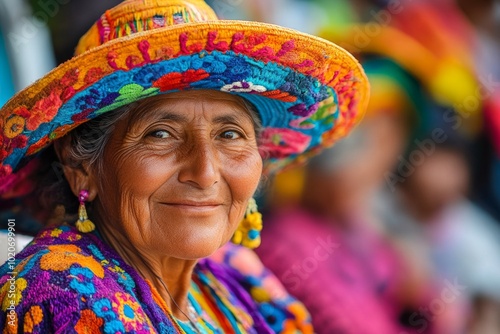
(232, 118)
(169, 116)
(226, 119)
(181, 118)
(154, 117)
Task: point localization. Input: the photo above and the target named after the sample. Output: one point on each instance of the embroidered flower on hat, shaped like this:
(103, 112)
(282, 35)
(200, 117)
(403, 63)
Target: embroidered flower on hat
(93, 75)
(128, 94)
(278, 143)
(12, 136)
(243, 87)
(325, 115)
(14, 126)
(44, 111)
(70, 77)
(303, 110)
(176, 80)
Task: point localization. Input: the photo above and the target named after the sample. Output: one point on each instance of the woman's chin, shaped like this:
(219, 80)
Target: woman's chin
(196, 247)
(192, 254)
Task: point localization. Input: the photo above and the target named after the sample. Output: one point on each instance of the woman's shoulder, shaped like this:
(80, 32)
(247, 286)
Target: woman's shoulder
(52, 251)
(53, 281)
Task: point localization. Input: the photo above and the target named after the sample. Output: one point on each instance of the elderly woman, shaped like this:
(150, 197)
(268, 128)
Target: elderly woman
(163, 125)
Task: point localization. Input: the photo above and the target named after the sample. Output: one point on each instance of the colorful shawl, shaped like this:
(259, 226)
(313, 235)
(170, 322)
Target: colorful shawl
(68, 282)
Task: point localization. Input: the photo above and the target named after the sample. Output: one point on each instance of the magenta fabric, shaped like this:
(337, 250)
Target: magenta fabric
(344, 277)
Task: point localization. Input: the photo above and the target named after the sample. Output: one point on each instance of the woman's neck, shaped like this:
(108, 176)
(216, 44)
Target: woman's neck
(170, 276)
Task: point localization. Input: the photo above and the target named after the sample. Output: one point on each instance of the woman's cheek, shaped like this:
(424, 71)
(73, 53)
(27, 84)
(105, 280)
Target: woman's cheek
(243, 174)
(145, 173)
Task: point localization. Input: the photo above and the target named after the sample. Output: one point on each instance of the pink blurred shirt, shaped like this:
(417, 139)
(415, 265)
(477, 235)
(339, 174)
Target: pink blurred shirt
(343, 278)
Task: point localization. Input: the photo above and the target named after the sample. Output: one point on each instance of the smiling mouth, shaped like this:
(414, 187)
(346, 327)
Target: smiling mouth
(194, 206)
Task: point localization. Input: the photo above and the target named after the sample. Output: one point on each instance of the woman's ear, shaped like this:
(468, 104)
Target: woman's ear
(78, 173)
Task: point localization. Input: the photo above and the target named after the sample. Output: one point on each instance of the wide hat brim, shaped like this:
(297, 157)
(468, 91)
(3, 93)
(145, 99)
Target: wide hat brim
(308, 91)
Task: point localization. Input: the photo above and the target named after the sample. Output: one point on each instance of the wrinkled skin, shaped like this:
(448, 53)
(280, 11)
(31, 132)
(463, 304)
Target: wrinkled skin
(178, 173)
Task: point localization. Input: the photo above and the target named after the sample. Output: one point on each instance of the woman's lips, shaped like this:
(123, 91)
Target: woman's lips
(194, 206)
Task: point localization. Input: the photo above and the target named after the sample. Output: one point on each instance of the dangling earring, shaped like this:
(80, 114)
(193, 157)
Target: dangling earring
(248, 232)
(83, 224)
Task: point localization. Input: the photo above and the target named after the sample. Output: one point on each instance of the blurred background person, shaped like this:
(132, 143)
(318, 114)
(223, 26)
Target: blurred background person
(366, 270)
(461, 239)
(420, 61)
(485, 17)
(328, 253)
(424, 207)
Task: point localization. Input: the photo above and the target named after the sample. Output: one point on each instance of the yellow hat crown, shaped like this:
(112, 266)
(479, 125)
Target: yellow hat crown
(134, 16)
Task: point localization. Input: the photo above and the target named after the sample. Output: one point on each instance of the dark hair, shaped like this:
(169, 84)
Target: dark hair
(87, 145)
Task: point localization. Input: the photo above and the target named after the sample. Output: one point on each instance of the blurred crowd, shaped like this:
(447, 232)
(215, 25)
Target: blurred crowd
(395, 229)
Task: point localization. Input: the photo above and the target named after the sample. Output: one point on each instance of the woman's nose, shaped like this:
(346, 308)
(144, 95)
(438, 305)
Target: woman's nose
(201, 167)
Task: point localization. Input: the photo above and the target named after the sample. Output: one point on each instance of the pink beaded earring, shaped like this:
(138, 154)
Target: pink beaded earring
(83, 224)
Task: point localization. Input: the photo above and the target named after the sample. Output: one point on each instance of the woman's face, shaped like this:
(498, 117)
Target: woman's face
(178, 173)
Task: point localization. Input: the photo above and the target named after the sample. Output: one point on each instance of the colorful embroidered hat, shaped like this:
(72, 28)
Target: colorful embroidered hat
(309, 92)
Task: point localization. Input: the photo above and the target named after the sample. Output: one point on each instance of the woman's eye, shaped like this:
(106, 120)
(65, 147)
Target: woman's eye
(160, 134)
(230, 135)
